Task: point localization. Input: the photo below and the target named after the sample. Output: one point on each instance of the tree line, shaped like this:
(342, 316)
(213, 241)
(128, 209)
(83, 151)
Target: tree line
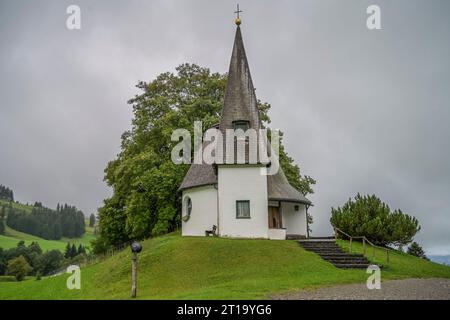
(2, 220)
(6, 193)
(65, 221)
(30, 260)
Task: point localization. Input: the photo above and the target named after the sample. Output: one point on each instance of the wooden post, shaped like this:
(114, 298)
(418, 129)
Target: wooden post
(364, 246)
(134, 275)
(351, 244)
(373, 253)
(387, 256)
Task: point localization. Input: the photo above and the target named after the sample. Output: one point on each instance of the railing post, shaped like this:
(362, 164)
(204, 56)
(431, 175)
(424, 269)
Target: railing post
(387, 256)
(373, 252)
(364, 246)
(335, 234)
(351, 244)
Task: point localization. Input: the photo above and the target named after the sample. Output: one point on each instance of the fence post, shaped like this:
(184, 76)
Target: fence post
(387, 256)
(134, 275)
(351, 244)
(364, 246)
(373, 252)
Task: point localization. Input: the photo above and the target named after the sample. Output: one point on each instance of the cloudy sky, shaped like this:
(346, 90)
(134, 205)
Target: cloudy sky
(362, 110)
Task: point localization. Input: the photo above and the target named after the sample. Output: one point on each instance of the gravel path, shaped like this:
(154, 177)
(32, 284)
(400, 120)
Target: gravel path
(409, 289)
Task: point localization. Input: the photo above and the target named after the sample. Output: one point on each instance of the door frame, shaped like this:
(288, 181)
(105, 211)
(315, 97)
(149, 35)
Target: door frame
(275, 218)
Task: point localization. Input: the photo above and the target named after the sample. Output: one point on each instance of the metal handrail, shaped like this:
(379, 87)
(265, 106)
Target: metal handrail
(364, 240)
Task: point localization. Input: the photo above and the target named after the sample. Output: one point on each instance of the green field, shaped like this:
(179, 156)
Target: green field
(17, 205)
(175, 267)
(12, 237)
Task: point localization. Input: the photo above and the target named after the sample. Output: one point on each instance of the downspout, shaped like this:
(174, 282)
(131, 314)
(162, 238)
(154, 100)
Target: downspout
(216, 186)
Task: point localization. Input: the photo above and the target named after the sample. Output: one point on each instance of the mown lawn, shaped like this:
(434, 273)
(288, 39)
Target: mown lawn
(175, 267)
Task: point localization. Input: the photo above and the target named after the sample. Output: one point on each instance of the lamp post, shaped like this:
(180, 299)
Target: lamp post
(136, 247)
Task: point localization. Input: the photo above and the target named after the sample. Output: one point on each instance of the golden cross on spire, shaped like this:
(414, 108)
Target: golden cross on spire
(238, 20)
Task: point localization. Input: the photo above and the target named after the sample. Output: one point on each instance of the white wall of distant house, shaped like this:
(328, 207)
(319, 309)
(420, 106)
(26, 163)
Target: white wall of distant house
(204, 210)
(294, 221)
(242, 183)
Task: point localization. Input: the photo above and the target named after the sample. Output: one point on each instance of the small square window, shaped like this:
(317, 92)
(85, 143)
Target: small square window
(243, 209)
(243, 125)
(296, 208)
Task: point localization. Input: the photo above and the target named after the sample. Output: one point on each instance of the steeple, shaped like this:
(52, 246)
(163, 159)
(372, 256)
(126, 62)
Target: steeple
(240, 102)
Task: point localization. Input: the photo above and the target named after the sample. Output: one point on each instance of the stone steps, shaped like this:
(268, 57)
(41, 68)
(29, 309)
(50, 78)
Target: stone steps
(351, 265)
(294, 237)
(328, 250)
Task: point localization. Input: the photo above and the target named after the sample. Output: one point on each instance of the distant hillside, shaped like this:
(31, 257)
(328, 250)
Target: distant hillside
(12, 237)
(9, 237)
(65, 221)
(175, 267)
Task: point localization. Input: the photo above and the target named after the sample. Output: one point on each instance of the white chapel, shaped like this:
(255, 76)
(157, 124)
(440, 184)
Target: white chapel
(235, 199)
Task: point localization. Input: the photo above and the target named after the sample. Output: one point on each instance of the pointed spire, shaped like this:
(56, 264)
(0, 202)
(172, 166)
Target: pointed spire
(240, 102)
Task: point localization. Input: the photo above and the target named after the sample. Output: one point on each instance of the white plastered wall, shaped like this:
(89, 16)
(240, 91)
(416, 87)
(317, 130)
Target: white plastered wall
(242, 183)
(204, 210)
(294, 221)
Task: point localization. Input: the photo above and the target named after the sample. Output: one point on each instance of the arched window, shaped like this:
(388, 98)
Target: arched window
(187, 209)
(241, 124)
(188, 206)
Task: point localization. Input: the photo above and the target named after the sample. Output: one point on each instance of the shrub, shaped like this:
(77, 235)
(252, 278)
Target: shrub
(368, 216)
(416, 250)
(19, 268)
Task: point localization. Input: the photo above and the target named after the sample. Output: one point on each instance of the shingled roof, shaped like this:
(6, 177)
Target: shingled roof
(279, 189)
(240, 104)
(199, 175)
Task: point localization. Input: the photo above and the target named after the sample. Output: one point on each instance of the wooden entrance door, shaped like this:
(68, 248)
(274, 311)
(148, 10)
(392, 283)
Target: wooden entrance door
(275, 218)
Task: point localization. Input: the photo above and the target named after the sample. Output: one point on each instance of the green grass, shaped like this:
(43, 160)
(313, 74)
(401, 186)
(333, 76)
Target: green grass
(12, 237)
(175, 267)
(17, 205)
(401, 265)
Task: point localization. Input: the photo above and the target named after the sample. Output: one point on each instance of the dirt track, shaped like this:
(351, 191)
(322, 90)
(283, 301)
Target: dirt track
(409, 289)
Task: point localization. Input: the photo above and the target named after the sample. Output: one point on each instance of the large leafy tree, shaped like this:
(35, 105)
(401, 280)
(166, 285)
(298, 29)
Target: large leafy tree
(146, 200)
(369, 216)
(19, 268)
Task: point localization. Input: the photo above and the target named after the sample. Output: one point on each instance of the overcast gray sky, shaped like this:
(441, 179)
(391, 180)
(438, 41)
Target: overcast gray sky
(362, 111)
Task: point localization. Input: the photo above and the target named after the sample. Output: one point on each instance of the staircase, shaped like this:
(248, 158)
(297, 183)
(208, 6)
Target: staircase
(328, 250)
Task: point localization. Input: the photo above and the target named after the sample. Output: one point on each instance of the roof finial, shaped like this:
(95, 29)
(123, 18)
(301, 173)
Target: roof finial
(238, 20)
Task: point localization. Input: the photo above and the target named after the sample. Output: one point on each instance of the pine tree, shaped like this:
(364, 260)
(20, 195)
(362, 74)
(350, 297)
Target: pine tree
(92, 220)
(73, 251)
(2, 220)
(368, 216)
(81, 249)
(416, 250)
(68, 250)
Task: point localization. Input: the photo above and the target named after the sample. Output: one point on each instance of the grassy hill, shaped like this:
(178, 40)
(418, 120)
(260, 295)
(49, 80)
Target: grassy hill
(16, 205)
(12, 237)
(175, 267)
